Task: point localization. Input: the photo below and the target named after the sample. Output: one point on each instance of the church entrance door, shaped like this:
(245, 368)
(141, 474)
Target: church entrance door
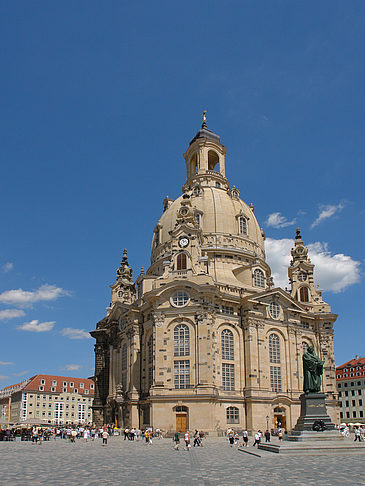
(181, 422)
(280, 421)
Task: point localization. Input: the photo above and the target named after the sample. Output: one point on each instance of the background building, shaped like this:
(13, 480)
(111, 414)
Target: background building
(204, 339)
(350, 379)
(51, 399)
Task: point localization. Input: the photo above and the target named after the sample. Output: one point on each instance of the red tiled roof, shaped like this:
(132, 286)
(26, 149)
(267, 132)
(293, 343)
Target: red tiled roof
(35, 383)
(351, 373)
(352, 363)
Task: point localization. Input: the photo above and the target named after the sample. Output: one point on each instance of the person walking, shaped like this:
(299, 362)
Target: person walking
(280, 435)
(257, 438)
(176, 439)
(245, 438)
(105, 436)
(267, 436)
(187, 441)
(357, 434)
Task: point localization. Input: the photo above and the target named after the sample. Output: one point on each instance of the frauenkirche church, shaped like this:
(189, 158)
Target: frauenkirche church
(204, 339)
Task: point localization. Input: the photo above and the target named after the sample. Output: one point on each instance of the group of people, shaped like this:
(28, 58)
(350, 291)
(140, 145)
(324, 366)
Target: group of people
(145, 434)
(233, 437)
(197, 436)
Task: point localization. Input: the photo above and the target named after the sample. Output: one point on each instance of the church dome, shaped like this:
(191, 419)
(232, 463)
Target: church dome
(226, 228)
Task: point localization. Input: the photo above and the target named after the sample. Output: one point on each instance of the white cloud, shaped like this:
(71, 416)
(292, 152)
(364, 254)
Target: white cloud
(73, 367)
(75, 333)
(36, 326)
(333, 272)
(3, 378)
(6, 363)
(7, 267)
(21, 373)
(11, 314)
(327, 211)
(276, 220)
(23, 297)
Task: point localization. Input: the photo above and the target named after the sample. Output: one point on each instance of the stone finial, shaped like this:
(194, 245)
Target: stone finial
(142, 270)
(298, 237)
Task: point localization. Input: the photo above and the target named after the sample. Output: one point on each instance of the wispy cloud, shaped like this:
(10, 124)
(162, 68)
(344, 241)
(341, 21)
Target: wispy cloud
(11, 314)
(326, 211)
(7, 267)
(3, 378)
(334, 272)
(277, 220)
(75, 333)
(21, 373)
(36, 326)
(73, 367)
(6, 363)
(24, 297)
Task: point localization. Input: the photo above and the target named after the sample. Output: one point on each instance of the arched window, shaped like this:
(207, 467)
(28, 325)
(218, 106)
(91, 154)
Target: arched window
(124, 366)
(213, 160)
(233, 415)
(227, 344)
(150, 361)
(259, 278)
(274, 348)
(242, 225)
(181, 340)
(181, 261)
(303, 294)
(197, 219)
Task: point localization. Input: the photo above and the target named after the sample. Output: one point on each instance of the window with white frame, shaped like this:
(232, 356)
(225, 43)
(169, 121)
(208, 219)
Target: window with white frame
(41, 388)
(81, 409)
(181, 340)
(71, 384)
(58, 411)
(91, 386)
(81, 385)
(242, 222)
(228, 376)
(275, 378)
(182, 373)
(76, 390)
(274, 348)
(180, 298)
(274, 310)
(43, 382)
(54, 383)
(233, 415)
(53, 388)
(227, 344)
(86, 391)
(259, 278)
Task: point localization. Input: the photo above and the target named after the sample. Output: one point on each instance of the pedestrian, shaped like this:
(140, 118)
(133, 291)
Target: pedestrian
(176, 439)
(187, 441)
(267, 436)
(126, 432)
(245, 438)
(105, 437)
(280, 435)
(357, 434)
(230, 438)
(257, 438)
(236, 438)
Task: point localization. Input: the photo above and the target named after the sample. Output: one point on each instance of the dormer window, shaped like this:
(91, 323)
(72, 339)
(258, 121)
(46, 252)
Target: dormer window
(196, 191)
(259, 278)
(242, 223)
(181, 262)
(303, 294)
(217, 184)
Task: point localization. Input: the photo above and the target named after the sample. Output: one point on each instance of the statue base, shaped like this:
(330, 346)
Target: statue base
(312, 409)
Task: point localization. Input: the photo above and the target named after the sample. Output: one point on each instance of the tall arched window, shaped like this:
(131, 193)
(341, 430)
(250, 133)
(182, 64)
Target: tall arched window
(197, 219)
(274, 348)
(181, 340)
(124, 366)
(150, 361)
(242, 222)
(274, 357)
(181, 261)
(303, 294)
(227, 344)
(213, 160)
(259, 278)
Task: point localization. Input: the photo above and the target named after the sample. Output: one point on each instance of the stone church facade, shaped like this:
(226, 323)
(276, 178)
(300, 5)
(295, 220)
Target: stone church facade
(204, 339)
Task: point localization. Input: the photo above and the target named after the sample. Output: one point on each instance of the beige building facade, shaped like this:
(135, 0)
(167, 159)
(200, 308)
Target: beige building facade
(204, 339)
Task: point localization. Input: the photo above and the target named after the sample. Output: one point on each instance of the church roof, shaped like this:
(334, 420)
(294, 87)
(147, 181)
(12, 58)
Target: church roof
(205, 133)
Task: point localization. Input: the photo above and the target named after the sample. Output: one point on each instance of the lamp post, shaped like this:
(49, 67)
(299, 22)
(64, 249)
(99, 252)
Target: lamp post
(267, 422)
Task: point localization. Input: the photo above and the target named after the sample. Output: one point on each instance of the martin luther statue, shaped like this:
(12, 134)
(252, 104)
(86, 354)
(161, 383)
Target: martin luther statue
(313, 370)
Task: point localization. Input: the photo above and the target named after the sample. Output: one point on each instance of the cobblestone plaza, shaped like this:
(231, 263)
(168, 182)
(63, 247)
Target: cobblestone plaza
(134, 463)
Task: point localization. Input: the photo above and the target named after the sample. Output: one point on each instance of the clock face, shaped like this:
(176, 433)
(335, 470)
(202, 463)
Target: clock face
(184, 241)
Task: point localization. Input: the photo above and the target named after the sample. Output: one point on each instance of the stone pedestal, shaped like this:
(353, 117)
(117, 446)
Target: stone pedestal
(312, 408)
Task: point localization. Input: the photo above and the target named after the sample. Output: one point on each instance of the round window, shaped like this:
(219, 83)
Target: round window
(180, 298)
(274, 310)
(302, 277)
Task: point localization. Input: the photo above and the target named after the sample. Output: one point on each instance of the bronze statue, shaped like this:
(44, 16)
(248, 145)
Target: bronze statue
(312, 370)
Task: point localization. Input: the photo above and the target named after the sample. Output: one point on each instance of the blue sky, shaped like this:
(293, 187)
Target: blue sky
(99, 101)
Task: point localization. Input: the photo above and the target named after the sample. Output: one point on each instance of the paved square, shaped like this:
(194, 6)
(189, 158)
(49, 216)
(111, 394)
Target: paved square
(134, 463)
